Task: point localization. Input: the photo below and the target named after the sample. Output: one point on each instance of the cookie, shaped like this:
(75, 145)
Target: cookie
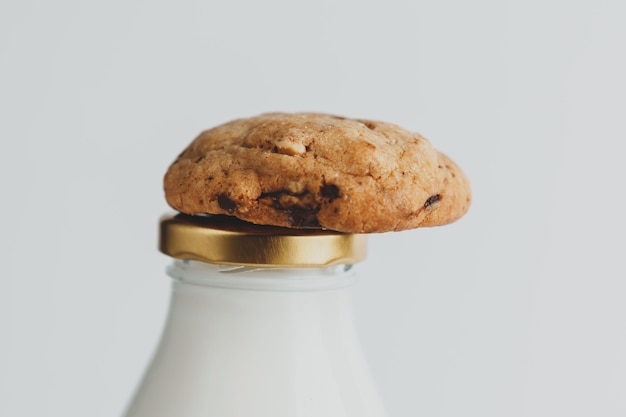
(318, 171)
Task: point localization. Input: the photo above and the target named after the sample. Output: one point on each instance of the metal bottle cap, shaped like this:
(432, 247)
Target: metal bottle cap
(229, 241)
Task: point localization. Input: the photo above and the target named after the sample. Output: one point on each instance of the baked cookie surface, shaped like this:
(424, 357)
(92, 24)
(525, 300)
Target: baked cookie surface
(318, 171)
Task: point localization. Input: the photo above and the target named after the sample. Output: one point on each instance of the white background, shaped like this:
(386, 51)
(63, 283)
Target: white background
(516, 310)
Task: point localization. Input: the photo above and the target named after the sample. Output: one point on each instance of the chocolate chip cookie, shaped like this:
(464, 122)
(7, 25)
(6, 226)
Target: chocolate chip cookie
(318, 171)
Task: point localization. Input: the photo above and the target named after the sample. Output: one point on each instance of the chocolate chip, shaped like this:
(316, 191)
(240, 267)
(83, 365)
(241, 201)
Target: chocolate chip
(303, 217)
(432, 200)
(330, 191)
(300, 208)
(226, 203)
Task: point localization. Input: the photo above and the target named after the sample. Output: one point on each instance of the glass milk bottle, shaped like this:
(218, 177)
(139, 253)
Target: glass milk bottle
(260, 325)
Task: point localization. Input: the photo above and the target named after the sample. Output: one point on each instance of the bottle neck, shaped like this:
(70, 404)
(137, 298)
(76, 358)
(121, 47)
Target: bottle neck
(265, 315)
(237, 300)
(265, 279)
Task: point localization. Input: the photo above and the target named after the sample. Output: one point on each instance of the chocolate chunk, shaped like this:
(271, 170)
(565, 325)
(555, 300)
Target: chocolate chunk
(226, 203)
(303, 217)
(330, 191)
(432, 200)
(300, 208)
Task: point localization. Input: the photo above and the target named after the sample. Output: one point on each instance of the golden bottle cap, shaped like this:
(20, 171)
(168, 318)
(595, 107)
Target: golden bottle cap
(229, 241)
